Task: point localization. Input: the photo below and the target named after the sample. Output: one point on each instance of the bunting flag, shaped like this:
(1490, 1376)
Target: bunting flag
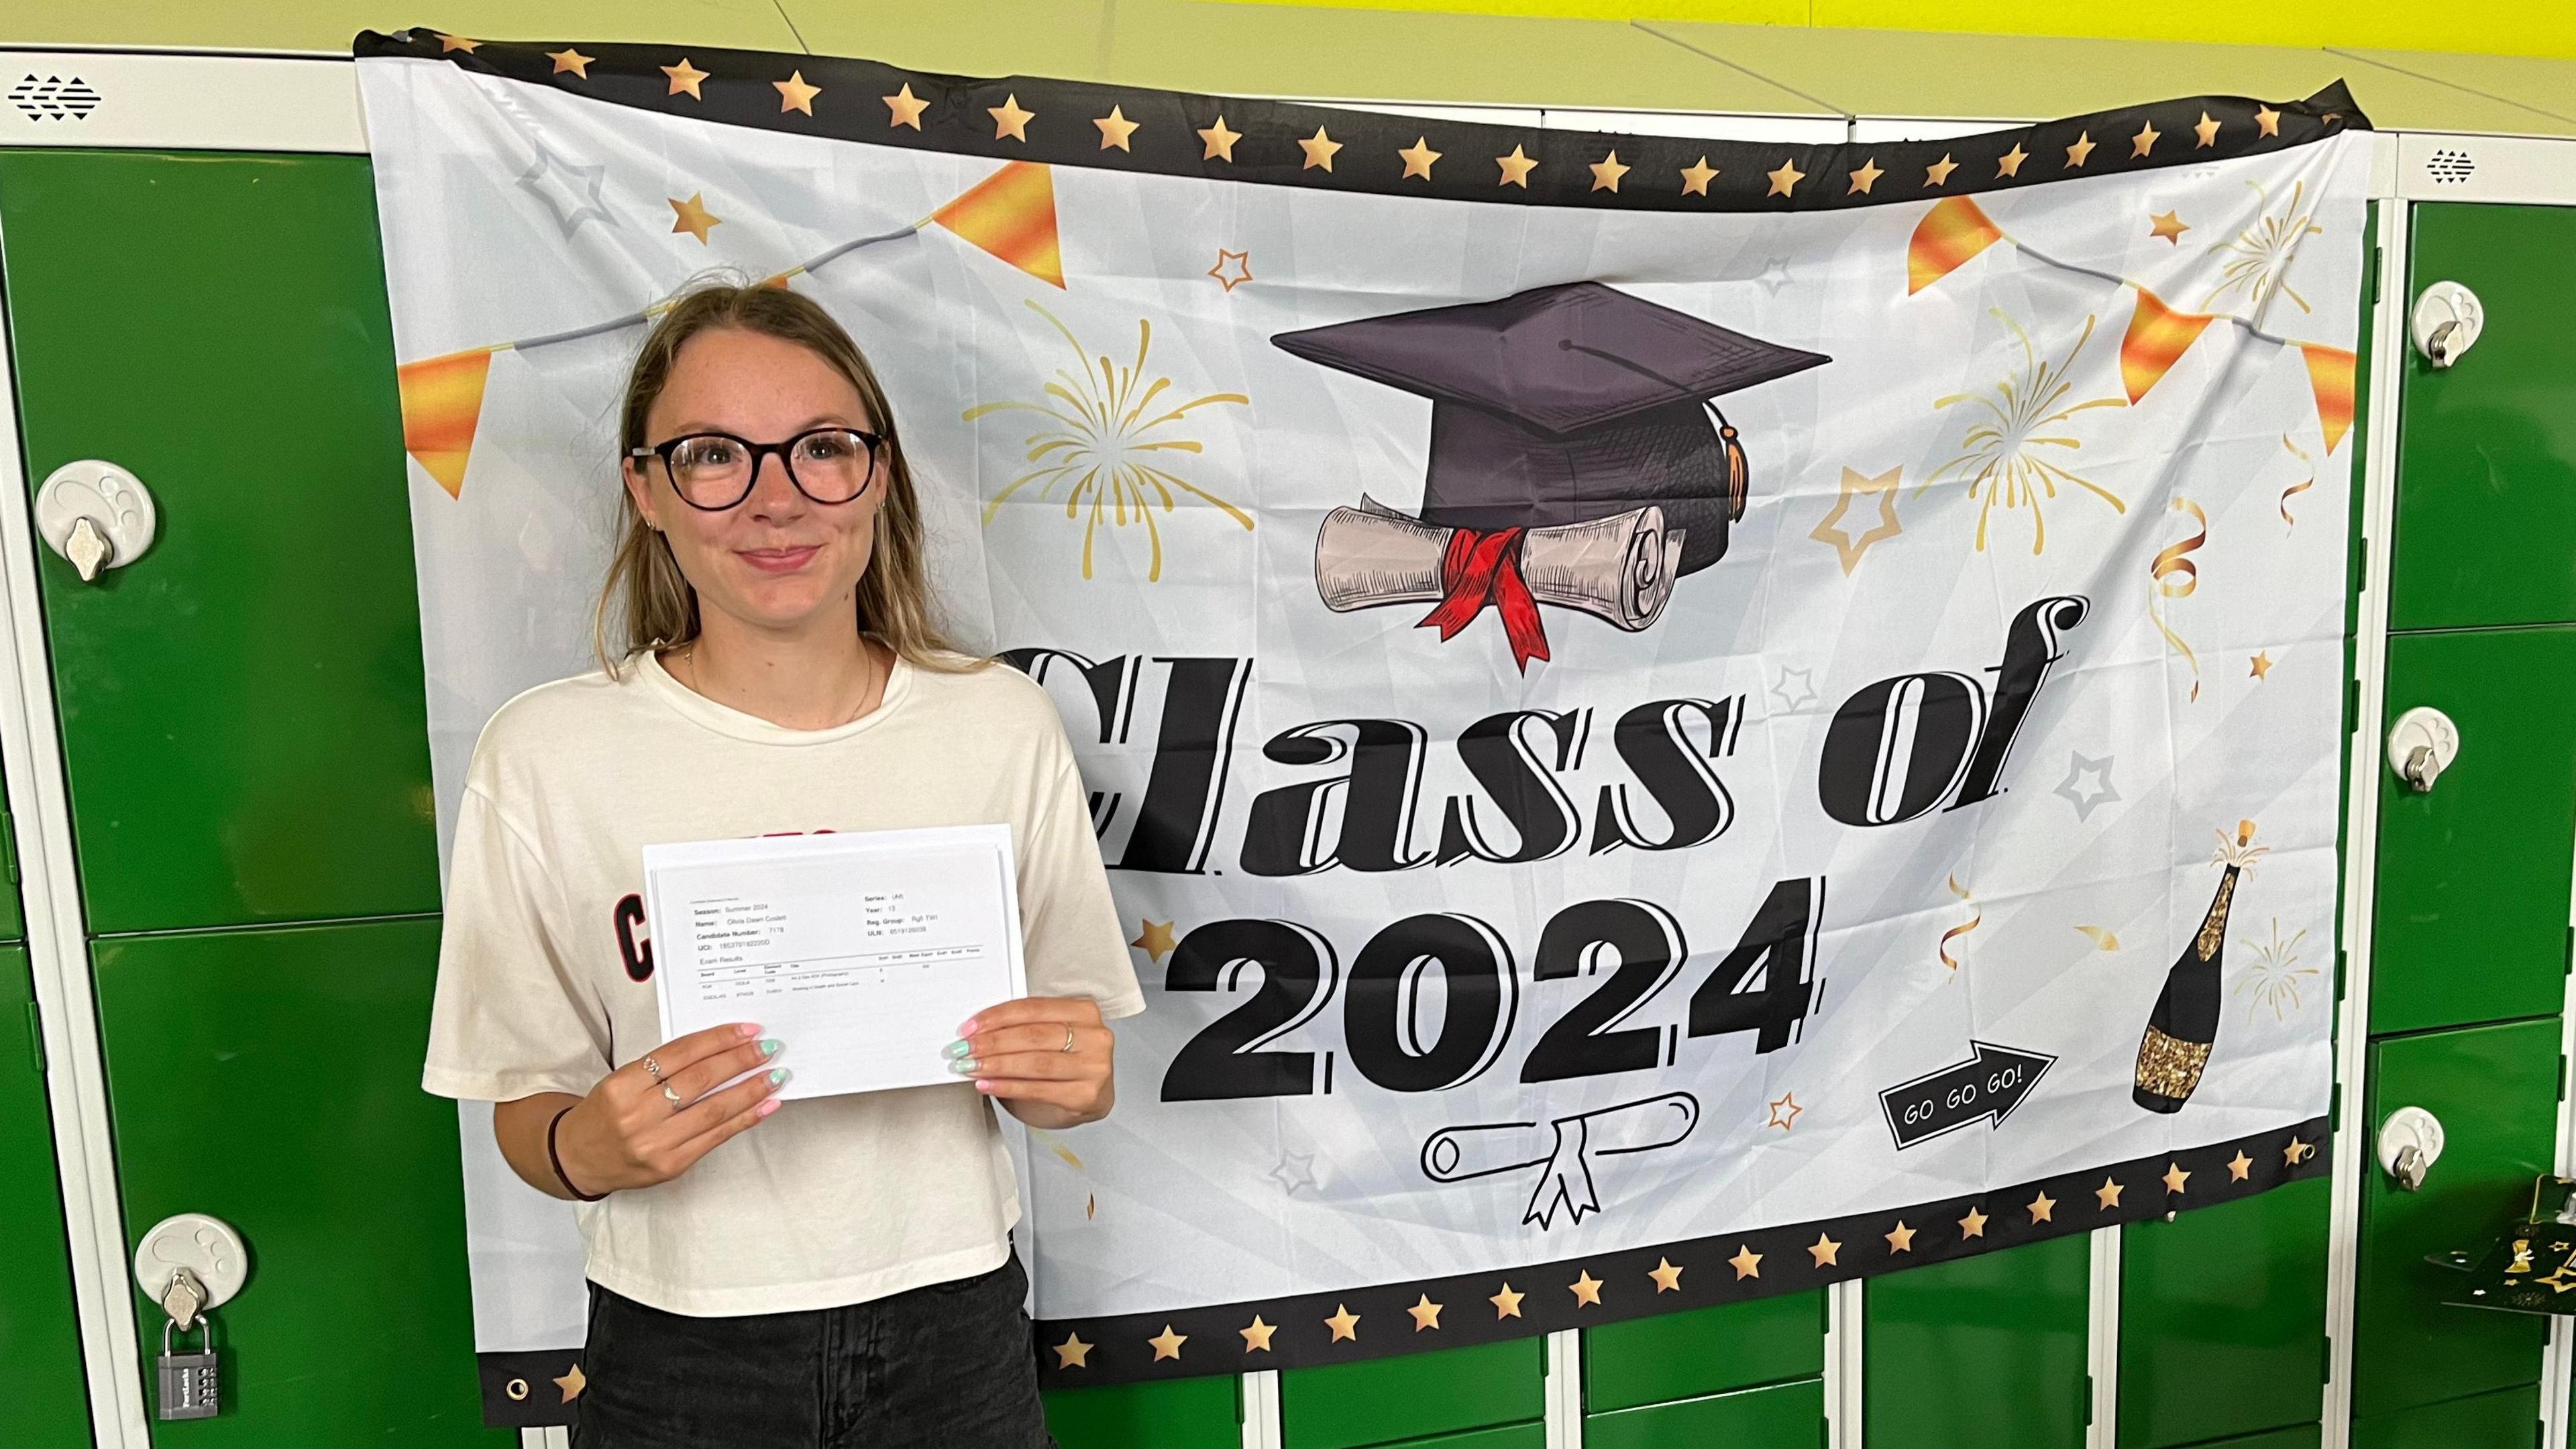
(1009, 215)
(1819, 556)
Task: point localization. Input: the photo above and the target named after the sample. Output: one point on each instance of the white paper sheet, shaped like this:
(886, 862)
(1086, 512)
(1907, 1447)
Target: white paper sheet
(862, 952)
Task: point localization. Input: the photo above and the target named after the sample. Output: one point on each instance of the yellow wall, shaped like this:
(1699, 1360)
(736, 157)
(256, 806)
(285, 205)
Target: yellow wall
(2492, 27)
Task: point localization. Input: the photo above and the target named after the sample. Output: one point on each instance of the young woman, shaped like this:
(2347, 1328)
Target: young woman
(842, 1274)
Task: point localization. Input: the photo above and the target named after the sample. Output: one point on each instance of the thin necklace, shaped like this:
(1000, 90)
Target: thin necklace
(689, 656)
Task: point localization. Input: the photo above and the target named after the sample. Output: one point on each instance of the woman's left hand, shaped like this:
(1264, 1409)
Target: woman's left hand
(1050, 1059)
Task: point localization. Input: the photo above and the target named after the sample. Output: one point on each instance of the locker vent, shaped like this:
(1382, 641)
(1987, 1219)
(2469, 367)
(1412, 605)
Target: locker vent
(2447, 165)
(52, 98)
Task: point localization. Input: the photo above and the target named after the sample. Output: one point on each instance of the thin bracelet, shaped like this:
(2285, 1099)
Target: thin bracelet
(556, 1159)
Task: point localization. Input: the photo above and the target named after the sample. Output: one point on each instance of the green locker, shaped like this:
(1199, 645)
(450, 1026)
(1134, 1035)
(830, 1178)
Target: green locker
(2476, 870)
(2495, 1089)
(44, 1401)
(2506, 1420)
(2486, 499)
(2223, 1319)
(1986, 1351)
(1202, 1413)
(1702, 1352)
(241, 708)
(1783, 1416)
(1382, 1401)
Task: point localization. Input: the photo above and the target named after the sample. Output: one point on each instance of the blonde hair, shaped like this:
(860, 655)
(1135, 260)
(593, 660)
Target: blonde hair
(655, 605)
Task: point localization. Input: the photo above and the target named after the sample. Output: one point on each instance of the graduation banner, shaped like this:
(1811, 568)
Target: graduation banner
(1672, 720)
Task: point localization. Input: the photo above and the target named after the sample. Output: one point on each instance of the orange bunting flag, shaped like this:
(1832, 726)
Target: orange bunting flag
(2330, 375)
(1954, 230)
(442, 400)
(2158, 337)
(1011, 214)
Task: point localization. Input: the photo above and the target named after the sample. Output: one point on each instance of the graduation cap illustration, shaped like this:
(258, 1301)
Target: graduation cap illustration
(1567, 407)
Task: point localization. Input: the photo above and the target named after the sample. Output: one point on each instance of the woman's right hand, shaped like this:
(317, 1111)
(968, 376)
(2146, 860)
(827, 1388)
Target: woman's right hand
(629, 1133)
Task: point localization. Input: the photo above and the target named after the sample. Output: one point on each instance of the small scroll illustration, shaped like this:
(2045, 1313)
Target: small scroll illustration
(1562, 1150)
(1619, 568)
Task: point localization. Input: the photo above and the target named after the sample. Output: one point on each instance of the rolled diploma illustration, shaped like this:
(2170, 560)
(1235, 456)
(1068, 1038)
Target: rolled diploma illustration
(1562, 1149)
(1619, 568)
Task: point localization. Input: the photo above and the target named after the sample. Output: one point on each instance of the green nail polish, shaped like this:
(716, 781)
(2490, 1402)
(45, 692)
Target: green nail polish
(965, 1066)
(956, 1050)
(769, 1046)
(778, 1076)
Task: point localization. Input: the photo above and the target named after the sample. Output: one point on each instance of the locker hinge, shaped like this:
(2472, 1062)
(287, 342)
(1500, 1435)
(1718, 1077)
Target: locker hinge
(36, 1038)
(2339, 965)
(2088, 1401)
(9, 844)
(2568, 969)
(2562, 1077)
(2371, 272)
(2334, 1114)
(2325, 1355)
(2351, 705)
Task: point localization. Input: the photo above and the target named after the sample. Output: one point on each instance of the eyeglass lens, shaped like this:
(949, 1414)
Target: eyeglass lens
(830, 465)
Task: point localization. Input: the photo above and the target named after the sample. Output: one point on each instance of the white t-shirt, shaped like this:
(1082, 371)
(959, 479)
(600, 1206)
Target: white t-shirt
(544, 975)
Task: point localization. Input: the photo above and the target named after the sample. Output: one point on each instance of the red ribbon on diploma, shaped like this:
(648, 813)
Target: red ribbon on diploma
(1485, 568)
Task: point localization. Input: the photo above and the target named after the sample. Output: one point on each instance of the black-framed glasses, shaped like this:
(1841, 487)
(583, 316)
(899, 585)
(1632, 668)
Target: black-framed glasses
(714, 471)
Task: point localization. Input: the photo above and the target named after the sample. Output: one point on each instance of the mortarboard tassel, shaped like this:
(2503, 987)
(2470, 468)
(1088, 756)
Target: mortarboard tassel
(1739, 473)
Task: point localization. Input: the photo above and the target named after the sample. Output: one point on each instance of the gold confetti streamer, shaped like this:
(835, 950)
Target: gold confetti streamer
(1101, 443)
(2173, 576)
(2102, 940)
(2296, 488)
(1975, 918)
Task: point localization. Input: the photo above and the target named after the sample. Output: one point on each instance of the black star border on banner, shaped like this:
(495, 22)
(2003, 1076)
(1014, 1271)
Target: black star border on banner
(1277, 143)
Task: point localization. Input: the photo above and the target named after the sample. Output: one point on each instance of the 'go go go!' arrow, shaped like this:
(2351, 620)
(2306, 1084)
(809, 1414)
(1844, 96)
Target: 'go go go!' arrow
(1990, 1084)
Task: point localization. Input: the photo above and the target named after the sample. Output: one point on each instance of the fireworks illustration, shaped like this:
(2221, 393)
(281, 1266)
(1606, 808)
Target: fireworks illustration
(2026, 411)
(2276, 979)
(1105, 443)
(2258, 259)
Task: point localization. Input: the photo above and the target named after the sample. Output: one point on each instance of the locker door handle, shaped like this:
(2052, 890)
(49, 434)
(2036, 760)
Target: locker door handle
(2410, 1142)
(2421, 745)
(97, 515)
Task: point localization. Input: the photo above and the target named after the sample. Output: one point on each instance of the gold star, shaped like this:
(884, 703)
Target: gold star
(1167, 1344)
(1073, 1352)
(572, 1383)
(1938, 173)
(1344, 1324)
(1220, 141)
(1668, 1279)
(2267, 121)
(1855, 487)
(2207, 130)
(2009, 163)
(1865, 178)
(2041, 1206)
(2082, 150)
(1115, 128)
(1426, 1314)
(1789, 1122)
(1156, 939)
(1256, 1339)
(1507, 1304)
(1607, 171)
(1973, 1225)
(2108, 1194)
(795, 95)
(1786, 179)
(2168, 225)
(1697, 176)
(448, 43)
(1231, 277)
(1746, 1262)
(1516, 168)
(2145, 141)
(1418, 158)
(1009, 121)
(2175, 1177)
(2261, 666)
(1319, 149)
(2238, 1166)
(1586, 1290)
(571, 60)
(903, 108)
(685, 78)
(1901, 1240)
(2291, 1154)
(693, 217)
(1823, 1250)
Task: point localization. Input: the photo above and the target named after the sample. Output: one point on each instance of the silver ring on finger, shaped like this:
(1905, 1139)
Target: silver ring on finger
(671, 1095)
(652, 1069)
(1068, 1038)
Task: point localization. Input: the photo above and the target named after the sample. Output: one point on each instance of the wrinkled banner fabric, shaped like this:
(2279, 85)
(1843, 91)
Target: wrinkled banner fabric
(1672, 720)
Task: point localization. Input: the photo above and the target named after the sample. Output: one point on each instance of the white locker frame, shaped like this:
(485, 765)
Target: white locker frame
(194, 99)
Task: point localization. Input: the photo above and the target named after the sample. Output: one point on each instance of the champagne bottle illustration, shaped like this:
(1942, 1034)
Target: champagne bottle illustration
(2184, 1025)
